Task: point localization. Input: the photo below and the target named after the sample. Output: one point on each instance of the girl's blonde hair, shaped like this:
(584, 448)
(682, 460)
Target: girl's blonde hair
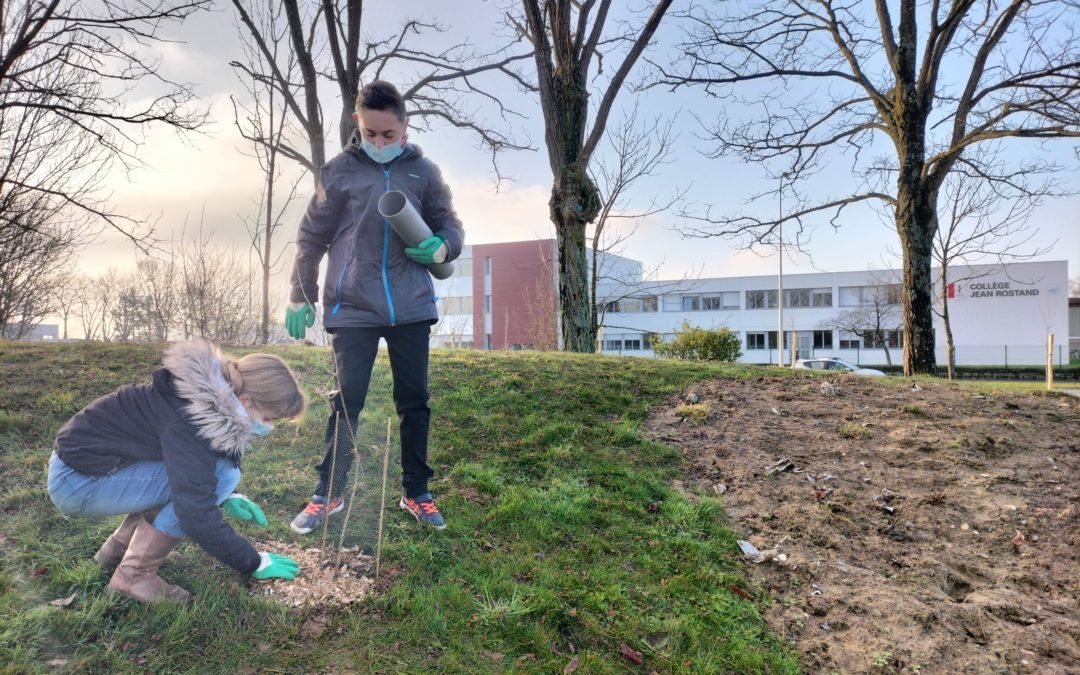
(269, 382)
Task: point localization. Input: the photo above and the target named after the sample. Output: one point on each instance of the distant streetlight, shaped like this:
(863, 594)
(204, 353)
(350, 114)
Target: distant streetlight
(780, 279)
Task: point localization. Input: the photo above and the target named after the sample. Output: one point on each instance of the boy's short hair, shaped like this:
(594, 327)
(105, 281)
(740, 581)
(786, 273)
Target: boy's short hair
(381, 95)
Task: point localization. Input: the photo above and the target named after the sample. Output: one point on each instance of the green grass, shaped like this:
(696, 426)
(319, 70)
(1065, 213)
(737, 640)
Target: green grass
(563, 531)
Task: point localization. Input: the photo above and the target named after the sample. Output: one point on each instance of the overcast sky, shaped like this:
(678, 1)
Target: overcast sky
(208, 175)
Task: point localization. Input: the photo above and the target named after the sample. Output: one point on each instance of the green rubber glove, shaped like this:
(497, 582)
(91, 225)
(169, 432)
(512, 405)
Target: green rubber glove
(276, 566)
(299, 316)
(431, 250)
(239, 506)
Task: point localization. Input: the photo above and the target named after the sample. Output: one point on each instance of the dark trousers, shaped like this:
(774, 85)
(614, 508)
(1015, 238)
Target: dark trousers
(355, 350)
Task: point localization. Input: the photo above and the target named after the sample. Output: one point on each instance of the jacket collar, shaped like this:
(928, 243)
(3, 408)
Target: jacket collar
(211, 404)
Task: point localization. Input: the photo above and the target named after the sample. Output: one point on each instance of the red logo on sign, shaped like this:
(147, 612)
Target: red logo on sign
(952, 291)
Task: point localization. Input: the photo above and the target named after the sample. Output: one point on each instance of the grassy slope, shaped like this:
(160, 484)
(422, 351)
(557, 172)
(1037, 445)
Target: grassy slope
(562, 530)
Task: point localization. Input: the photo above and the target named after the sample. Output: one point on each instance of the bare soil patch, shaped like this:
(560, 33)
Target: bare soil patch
(929, 529)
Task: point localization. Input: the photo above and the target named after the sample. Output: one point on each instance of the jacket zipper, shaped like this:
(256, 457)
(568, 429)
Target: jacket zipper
(386, 256)
(337, 291)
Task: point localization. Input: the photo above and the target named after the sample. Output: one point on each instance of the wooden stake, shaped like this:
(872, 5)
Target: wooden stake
(1050, 363)
(329, 491)
(793, 334)
(382, 500)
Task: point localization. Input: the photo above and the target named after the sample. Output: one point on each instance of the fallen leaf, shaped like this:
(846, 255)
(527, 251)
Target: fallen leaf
(1018, 539)
(611, 613)
(631, 653)
(494, 656)
(39, 572)
(156, 637)
(739, 592)
(573, 611)
(140, 660)
(64, 602)
(314, 627)
(57, 662)
(571, 667)
(654, 507)
(263, 647)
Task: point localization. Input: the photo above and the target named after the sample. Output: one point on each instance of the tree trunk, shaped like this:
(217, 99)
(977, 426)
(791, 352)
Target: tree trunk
(950, 348)
(916, 223)
(575, 201)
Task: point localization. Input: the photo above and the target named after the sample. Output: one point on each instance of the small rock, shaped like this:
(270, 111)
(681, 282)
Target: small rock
(964, 526)
(692, 398)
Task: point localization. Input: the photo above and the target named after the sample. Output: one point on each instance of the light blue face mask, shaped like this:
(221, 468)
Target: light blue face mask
(259, 428)
(383, 155)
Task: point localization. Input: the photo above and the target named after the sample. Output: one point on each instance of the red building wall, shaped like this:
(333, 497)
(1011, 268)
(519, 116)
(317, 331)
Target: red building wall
(522, 292)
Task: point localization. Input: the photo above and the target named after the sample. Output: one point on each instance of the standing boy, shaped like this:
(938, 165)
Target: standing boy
(375, 287)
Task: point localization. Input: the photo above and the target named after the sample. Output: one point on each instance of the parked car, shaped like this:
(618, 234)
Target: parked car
(833, 363)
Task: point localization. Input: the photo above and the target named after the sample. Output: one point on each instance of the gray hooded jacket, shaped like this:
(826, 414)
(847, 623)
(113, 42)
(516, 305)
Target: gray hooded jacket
(187, 418)
(369, 280)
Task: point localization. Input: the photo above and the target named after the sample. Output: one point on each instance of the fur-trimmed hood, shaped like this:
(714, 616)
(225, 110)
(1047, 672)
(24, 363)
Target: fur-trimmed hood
(214, 409)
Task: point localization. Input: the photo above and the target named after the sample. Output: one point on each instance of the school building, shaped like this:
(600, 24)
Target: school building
(503, 296)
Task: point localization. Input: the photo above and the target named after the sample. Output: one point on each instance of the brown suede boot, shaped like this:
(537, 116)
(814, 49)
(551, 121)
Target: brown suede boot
(112, 551)
(136, 575)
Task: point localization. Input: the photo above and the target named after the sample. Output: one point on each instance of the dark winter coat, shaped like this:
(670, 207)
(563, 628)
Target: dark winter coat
(187, 418)
(369, 281)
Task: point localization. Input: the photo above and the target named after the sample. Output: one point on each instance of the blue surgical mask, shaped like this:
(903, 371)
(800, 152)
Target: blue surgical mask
(383, 155)
(259, 428)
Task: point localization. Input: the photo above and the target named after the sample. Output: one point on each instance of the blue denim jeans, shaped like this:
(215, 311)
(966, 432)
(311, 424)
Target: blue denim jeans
(139, 487)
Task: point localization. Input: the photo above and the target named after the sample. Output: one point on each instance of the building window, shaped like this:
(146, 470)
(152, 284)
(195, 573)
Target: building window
(691, 303)
(797, 297)
(487, 266)
(823, 339)
(457, 304)
(822, 297)
(463, 267)
(891, 338)
(487, 304)
(612, 345)
(849, 341)
(633, 344)
(755, 341)
(711, 303)
(850, 296)
(761, 299)
(649, 303)
(487, 341)
(630, 305)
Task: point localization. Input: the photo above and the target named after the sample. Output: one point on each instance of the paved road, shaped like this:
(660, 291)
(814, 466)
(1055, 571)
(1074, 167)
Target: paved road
(1072, 392)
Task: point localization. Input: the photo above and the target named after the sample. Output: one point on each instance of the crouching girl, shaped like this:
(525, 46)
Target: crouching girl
(168, 455)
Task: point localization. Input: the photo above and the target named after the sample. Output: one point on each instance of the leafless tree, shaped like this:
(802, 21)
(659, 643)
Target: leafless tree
(68, 71)
(538, 326)
(570, 42)
(451, 328)
(33, 255)
(65, 298)
(834, 77)
(159, 287)
(877, 320)
(444, 83)
(264, 120)
(214, 294)
(637, 151)
(986, 222)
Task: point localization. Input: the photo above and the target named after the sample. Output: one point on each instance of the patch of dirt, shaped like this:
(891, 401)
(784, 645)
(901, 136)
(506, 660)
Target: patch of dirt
(329, 579)
(929, 529)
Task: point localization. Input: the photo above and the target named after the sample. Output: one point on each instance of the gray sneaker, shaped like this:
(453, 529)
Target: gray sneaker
(314, 513)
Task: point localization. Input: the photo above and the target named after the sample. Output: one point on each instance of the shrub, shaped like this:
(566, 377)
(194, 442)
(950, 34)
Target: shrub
(699, 344)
